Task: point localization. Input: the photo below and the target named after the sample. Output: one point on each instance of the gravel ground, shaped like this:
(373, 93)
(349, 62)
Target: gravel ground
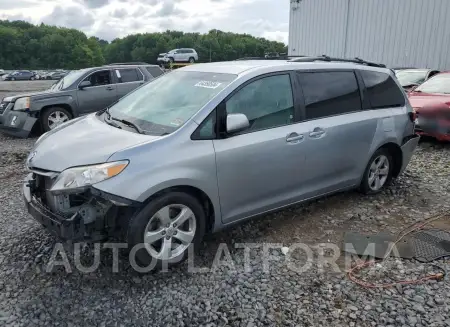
(230, 295)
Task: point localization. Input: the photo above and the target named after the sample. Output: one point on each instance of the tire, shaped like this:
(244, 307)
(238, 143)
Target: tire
(53, 112)
(383, 160)
(171, 60)
(32, 78)
(13, 79)
(150, 214)
(191, 60)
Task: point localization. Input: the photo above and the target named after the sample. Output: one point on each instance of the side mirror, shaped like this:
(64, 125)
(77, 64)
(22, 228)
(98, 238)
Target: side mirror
(237, 123)
(84, 84)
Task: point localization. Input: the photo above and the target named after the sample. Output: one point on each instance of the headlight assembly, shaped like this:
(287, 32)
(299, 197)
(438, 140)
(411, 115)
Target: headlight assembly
(79, 177)
(22, 103)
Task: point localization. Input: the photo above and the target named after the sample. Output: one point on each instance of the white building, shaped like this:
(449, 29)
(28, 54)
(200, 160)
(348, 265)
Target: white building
(398, 33)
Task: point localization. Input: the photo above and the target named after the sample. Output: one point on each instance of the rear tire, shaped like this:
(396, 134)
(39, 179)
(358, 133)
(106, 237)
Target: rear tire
(191, 60)
(378, 173)
(57, 115)
(163, 212)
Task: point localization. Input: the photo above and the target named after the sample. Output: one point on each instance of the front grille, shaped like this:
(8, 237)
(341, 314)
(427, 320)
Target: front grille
(3, 106)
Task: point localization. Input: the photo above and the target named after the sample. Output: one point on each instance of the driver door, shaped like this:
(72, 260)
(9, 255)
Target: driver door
(101, 94)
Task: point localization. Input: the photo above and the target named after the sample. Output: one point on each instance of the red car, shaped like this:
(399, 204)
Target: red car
(431, 103)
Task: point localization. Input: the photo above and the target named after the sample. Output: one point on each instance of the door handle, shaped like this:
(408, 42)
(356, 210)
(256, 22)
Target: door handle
(294, 137)
(109, 88)
(317, 132)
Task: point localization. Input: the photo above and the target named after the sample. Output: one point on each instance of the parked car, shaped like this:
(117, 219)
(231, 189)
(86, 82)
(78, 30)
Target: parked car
(21, 75)
(55, 75)
(410, 78)
(181, 55)
(2, 72)
(162, 59)
(236, 140)
(431, 102)
(79, 93)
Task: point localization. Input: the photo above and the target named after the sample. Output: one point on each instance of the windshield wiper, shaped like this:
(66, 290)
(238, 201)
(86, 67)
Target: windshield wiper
(109, 121)
(123, 121)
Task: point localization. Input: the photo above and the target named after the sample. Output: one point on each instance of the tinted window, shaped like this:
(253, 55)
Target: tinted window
(267, 102)
(99, 78)
(207, 129)
(330, 93)
(382, 90)
(154, 71)
(126, 75)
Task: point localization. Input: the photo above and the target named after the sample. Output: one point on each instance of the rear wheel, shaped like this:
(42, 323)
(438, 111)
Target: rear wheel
(53, 117)
(378, 173)
(191, 60)
(165, 229)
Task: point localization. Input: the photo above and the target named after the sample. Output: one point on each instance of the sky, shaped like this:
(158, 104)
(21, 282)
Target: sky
(109, 19)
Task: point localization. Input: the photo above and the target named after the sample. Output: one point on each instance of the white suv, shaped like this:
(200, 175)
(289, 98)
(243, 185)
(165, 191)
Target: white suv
(181, 55)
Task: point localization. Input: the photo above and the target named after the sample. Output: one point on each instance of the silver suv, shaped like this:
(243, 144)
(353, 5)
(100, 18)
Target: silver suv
(181, 55)
(238, 139)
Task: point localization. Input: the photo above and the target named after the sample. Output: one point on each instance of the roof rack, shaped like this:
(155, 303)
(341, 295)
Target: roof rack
(329, 59)
(127, 63)
(268, 57)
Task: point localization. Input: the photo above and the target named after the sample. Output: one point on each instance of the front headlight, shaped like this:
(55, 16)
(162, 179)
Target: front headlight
(22, 103)
(79, 177)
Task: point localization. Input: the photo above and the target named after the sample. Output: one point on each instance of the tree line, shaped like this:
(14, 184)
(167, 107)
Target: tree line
(27, 46)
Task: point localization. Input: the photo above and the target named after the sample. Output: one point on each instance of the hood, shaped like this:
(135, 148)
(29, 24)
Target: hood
(83, 141)
(31, 94)
(428, 101)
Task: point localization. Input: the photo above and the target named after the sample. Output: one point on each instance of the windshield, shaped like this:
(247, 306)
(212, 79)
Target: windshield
(69, 79)
(409, 77)
(437, 84)
(165, 104)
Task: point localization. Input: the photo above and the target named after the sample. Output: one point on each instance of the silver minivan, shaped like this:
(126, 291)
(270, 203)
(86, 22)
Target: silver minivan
(210, 145)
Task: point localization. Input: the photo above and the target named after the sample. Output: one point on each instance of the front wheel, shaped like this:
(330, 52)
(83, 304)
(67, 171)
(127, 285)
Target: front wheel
(32, 78)
(164, 230)
(13, 79)
(53, 117)
(171, 60)
(378, 173)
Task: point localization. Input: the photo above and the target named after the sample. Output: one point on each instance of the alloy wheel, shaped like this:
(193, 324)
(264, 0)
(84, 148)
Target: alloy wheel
(56, 118)
(378, 172)
(170, 231)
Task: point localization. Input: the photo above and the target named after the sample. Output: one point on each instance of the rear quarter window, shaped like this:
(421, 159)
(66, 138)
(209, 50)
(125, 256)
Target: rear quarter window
(381, 90)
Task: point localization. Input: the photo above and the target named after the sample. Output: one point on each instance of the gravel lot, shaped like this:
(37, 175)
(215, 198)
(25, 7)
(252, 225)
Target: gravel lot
(279, 296)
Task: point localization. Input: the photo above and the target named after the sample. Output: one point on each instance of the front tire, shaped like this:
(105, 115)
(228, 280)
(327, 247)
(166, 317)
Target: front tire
(53, 117)
(378, 173)
(171, 60)
(165, 229)
(32, 78)
(13, 79)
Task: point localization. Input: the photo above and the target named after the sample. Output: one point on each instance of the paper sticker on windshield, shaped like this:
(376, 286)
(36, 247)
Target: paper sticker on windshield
(176, 122)
(208, 84)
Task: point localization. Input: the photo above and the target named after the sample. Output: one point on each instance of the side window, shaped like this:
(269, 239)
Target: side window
(207, 129)
(382, 91)
(154, 71)
(126, 75)
(267, 102)
(99, 78)
(329, 93)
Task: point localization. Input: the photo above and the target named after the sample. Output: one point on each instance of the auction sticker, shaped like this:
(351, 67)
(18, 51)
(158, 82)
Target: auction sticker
(208, 84)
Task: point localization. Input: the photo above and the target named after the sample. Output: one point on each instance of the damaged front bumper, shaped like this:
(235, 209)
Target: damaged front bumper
(92, 220)
(16, 123)
(433, 127)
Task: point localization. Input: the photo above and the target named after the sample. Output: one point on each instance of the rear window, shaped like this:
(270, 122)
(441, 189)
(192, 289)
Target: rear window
(382, 90)
(126, 75)
(154, 71)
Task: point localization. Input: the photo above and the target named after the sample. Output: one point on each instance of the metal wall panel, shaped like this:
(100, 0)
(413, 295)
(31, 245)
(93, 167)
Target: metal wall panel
(395, 32)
